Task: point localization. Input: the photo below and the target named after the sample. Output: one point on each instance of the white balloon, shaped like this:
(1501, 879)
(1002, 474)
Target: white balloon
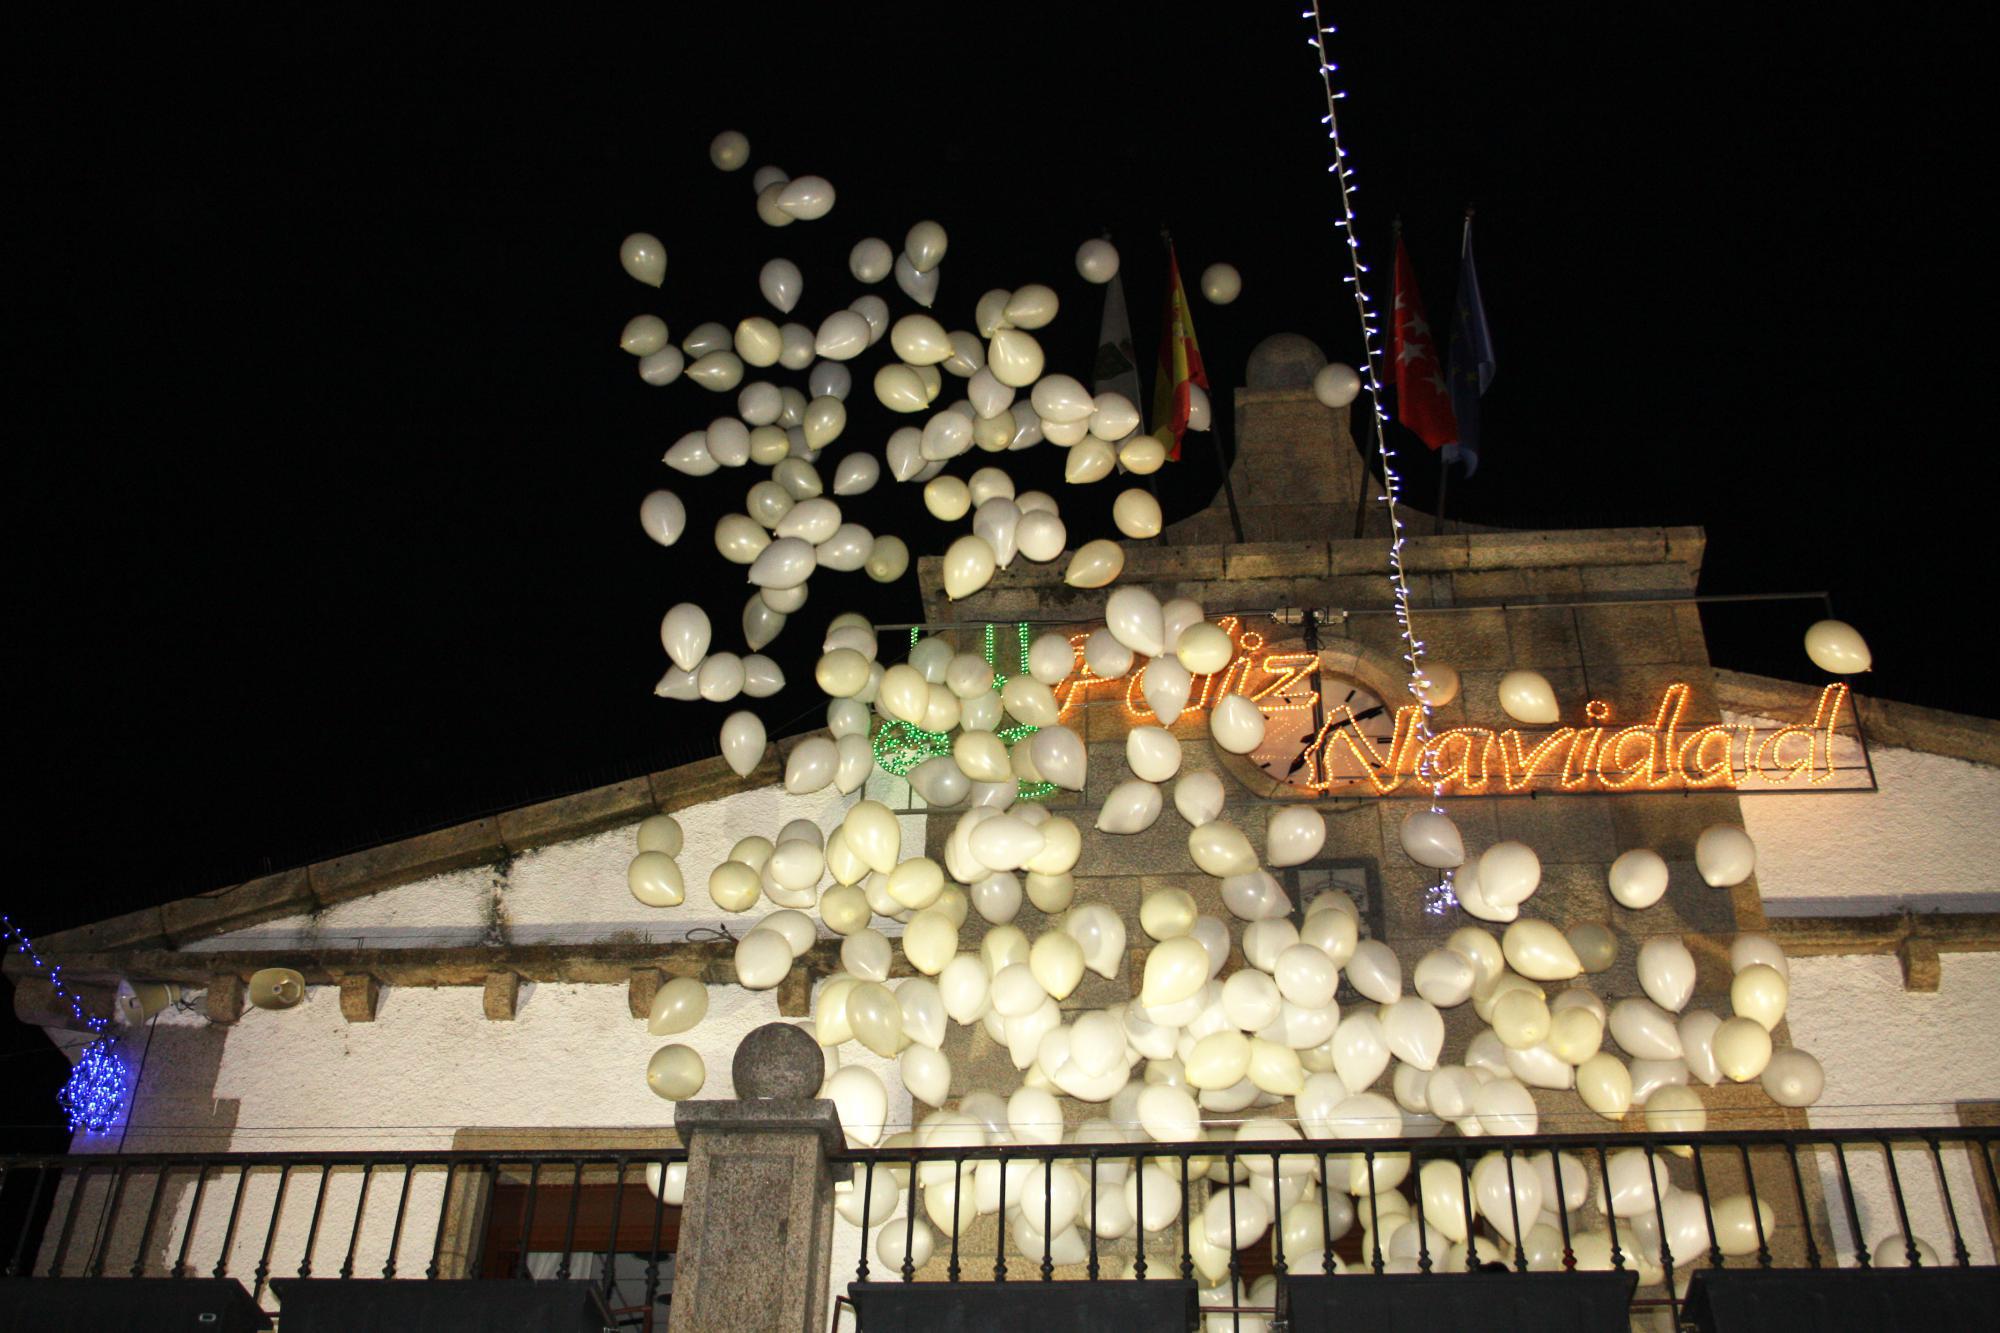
(1539, 952)
(1014, 357)
(1132, 807)
(1527, 696)
(1638, 878)
(1089, 461)
(1060, 755)
(1793, 1078)
(1294, 834)
(1236, 723)
(920, 286)
(968, 566)
(1508, 873)
(1198, 797)
(1221, 283)
(1096, 261)
(1666, 972)
(784, 564)
(1132, 617)
(729, 151)
(643, 335)
(1431, 839)
(1166, 685)
(685, 633)
(1444, 977)
(1220, 849)
(1836, 647)
(888, 559)
(1725, 855)
(689, 455)
(807, 198)
(1644, 1030)
(781, 283)
(1142, 455)
(663, 516)
(719, 678)
(1374, 970)
(1760, 992)
(742, 742)
(998, 521)
(1336, 385)
(663, 367)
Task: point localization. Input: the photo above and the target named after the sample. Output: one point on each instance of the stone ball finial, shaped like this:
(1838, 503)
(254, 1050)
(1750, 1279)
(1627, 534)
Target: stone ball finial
(1284, 361)
(778, 1060)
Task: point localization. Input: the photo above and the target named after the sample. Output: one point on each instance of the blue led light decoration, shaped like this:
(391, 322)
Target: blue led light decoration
(1439, 897)
(94, 1096)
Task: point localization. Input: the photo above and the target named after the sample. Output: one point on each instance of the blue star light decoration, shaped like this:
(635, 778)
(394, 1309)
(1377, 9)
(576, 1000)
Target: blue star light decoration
(94, 1096)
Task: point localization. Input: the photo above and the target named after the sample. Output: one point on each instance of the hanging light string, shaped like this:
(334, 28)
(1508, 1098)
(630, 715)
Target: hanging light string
(94, 1096)
(1439, 897)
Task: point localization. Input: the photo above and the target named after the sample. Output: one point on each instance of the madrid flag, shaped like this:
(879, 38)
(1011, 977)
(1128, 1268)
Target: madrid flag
(1423, 399)
(1180, 364)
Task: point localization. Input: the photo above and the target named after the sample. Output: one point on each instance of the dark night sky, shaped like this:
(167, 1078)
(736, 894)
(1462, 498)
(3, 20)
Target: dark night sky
(325, 461)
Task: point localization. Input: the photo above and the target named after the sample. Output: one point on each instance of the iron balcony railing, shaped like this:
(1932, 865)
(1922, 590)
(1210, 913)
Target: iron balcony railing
(259, 1217)
(1800, 1199)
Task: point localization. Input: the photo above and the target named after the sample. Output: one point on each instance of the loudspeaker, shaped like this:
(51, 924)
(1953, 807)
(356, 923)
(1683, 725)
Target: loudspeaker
(458, 1305)
(140, 1000)
(276, 988)
(94, 1304)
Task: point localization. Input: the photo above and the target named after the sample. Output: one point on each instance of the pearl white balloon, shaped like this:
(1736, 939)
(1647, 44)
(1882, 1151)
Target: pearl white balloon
(655, 880)
(719, 678)
(1837, 647)
(1175, 969)
(998, 521)
(1221, 283)
(729, 151)
(1220, 849)
(1539, 952)
(781, 283)
(785, 563)
(1509, 872)
(1091, 460)
(1742, 1048)
(1142, 455)
(1059, 755)
(742, 742)
(643, 256)
(1638, 878)
(1666, 972)
(643, 335)
(1725, 856)
(1646, 1031)
(968, 566)
(763, 957)
(919, 285)
(807, 198)
(1132, 617)
(685, 633)
(1444, 977)
(1760, 992)
(1152, 753)
(1014, 357)
(888, 559)
(1336, 385)
(663, 367)
(1527, 696)
(1131, 807)
(812, 520)
(1294, 835)
(1236, 724)
(846, 550)
(810, 766)
(1203, 649)
(663, 516)
(1793, 1078)
(1136, 514)
(1430, 838)
(1166, 685)
(1095, 564)
(1374, 970)
(1200, 414)
(718, 372)
(689, 455)
(675, 1072)
(1198, 797)
(1096, 261)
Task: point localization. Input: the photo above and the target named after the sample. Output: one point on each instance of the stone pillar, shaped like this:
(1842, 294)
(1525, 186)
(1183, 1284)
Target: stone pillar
(757, 1225)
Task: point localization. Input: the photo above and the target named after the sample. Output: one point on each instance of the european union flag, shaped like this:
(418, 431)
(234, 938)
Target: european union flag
(1469, 363)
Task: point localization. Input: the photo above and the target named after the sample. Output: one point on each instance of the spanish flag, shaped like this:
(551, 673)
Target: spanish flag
(1180, 363)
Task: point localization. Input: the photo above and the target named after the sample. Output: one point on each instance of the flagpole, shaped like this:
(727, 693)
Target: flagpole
(1361, 500)
(1444, 476)
(1214, 424)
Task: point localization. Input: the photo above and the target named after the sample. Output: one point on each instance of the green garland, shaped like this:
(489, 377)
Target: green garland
(900, 746)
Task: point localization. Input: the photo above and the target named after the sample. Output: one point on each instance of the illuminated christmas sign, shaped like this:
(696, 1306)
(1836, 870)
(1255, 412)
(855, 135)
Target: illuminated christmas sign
(1337, 737)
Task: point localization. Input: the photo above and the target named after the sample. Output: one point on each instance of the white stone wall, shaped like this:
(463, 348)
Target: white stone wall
(1928, 839)
(1896, 1057)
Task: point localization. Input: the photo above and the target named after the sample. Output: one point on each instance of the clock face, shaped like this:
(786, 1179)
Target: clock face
(1318, 738)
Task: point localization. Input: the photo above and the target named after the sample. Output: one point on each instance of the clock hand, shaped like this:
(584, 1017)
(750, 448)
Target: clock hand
(1376, 711)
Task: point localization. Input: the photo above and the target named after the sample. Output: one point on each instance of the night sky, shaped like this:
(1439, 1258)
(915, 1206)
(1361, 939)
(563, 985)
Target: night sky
(326, 463)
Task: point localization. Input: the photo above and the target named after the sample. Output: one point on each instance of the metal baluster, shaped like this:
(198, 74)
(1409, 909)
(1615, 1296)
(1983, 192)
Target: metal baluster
(1604, 1170)
(1423, 1230)
(444, 1212)
(229, 1231)
(569, 1230)
(42, 1174)
(1139, 1220)
(360, 1211)
(867, 1217)
(1707, 1208)
(1562, 1208)
(1465, 1194)
(69, 1221)
(1984, 1148)
(653, 1258)
(101, 1245)
(1278, 1265)
(1756, 1209)
(1187, 1211)
(1093, 1216)
(271, 1230)
(1000, 1245)
(312, 1233)
(1805, 1213)
(957, 1207)
(1666, 1251)
(1235, 1254)
(1048, 1218)
(618, 1215)
(1325, 1219)
(194, 1215)
(1374, 1212)
(528, 1213)
(1959, 1252)
(489, 1169)
(1853, 1218)
(1514, 1212)
(1902, 1212)
(396, 1231)
(910, 1221)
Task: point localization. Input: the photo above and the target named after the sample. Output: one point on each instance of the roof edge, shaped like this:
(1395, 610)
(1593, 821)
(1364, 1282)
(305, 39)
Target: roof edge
(1896, 725)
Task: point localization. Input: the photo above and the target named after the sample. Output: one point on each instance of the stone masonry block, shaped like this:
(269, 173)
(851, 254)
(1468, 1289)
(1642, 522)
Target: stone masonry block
(359, 994)
(224, 1000)
(1621, 635)
(640, 989)
(1275, 560)
(1542, 637)
(502, 996)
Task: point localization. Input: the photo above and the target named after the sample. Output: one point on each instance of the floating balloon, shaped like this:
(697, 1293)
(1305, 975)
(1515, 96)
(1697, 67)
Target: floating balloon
(888, 559)
(1089, 461)
(1439, 686)
(1760, 992)
(1294, 834)
(1431, 839)
(1014, 357)
(1793, 1078)
(1725, 855)
(643, 335)
(1509, 872)
(1236, 723)
(685, 633)
(662, 367)
(675, 1072)
(1221, 283)
(1645, 1030)
(1336, 385)
(1142, 455)
(870, 260)
(1666, 972)
(1527, 696)
(919, 285)
(807, 198)
(663, 516)
(729, 151)
(1444, 977)
(925, 244)
(719, 678)
(1166, 685)
(1198, 797)
(762, 959)
(1096, 261)
(785, 563)
(1095, 564)
(1836, 647)
(1136, 514)
(1638, 878)
(655, 880)
(920, 340)
(781, 283)
(1131, 807)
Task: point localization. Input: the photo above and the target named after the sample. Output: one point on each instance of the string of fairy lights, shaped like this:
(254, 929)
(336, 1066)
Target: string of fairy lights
(1439, 898)
(94, 1096)
(901, 746)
